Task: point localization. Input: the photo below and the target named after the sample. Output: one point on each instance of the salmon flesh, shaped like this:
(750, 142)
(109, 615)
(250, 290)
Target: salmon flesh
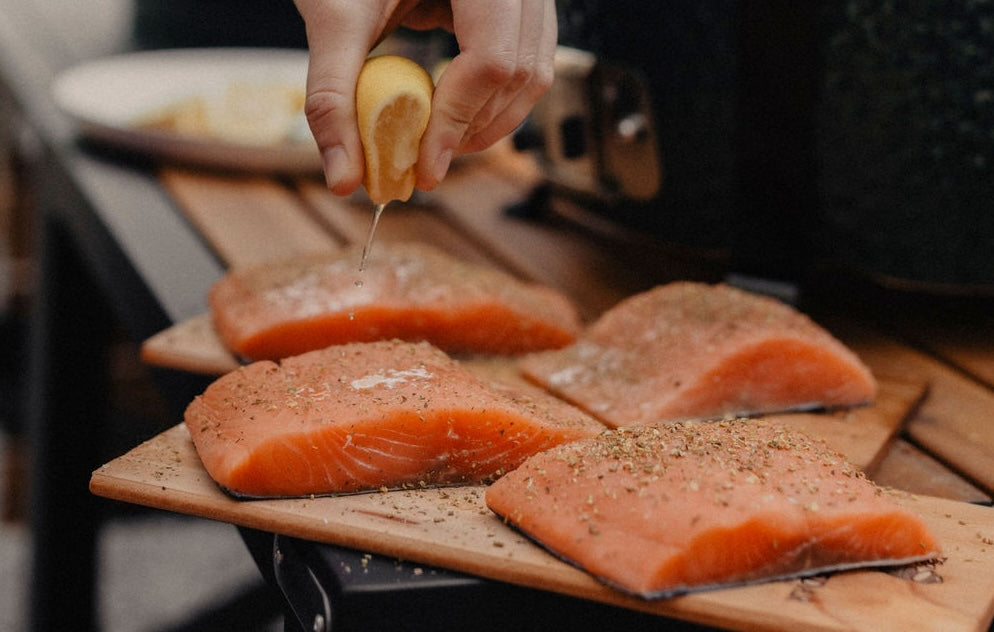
(369, 416)
(660, 510)
(406, 291)
(697, 351)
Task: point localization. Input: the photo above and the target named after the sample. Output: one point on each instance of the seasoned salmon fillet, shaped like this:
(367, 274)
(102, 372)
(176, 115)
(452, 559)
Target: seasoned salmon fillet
(407, 291)
(368, 416)
(697, 351)
(662, 509)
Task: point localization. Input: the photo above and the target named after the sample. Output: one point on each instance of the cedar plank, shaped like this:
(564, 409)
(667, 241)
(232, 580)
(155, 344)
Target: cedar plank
(452, 528)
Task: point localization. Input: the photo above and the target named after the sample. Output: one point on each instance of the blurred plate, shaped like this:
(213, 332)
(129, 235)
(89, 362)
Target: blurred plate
(109, 98)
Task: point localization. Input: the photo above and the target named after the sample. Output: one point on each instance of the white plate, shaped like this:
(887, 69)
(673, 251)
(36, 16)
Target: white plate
(107, 97)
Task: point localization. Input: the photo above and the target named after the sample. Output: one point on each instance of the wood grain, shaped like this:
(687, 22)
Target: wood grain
(247, 220)
(452, 528)
(251, 219)
(905, 466)
(954, 421)
(941, 391)
(192, 345)
(862, 434)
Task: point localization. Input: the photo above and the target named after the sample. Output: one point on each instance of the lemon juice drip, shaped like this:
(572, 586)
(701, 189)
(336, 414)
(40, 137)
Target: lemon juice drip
(369, 238)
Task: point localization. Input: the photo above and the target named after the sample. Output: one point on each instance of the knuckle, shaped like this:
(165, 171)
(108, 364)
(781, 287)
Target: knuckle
(543, 77)
(499, 70)
(522, 77)
(459, 114)
(323, 106)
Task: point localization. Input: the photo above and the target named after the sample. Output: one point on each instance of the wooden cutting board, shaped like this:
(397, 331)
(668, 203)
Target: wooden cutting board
(862, 434)
(250, 220)
(192, 345)
(452, 528)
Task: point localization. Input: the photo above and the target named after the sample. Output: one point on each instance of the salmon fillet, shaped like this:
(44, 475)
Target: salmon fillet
(697, 351)
(660, 510)
(368, 416)
(407, 291)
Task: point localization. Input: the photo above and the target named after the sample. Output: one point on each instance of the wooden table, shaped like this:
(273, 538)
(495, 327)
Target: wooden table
(937, 374)
(946, 444)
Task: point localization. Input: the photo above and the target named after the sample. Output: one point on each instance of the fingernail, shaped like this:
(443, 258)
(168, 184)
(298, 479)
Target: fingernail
(442, 165)
(335, 163)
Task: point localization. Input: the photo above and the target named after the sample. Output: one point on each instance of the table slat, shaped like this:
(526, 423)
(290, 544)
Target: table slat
(466, 216)
(247, 220)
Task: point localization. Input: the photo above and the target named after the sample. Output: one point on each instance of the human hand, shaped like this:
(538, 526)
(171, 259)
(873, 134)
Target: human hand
(505, 63)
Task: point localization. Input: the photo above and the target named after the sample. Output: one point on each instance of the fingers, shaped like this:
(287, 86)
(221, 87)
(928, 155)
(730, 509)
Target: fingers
(504, 65)
(424, 15)
(532, 79)
(340, 34)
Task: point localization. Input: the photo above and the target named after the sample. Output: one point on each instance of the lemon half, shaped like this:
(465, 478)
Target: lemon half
(393, 101)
